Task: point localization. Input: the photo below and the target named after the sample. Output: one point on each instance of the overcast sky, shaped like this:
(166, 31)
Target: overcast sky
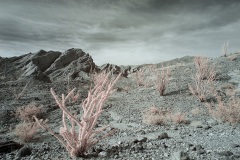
(120, 31)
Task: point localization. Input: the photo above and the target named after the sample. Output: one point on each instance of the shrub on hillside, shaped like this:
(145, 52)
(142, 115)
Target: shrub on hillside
(26, 131)
(227, 111)
(26, 113)
(155, 116)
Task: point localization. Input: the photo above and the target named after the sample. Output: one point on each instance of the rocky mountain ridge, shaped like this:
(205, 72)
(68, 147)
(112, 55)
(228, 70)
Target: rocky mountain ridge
(54, 65)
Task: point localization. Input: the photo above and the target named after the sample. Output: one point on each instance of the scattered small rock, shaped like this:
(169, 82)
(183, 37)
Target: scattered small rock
(235, 145)
(199, 149)
(206, 127)
(163, 136)
(103, 154)
(180, 155)
(225, 153)
(196, 124)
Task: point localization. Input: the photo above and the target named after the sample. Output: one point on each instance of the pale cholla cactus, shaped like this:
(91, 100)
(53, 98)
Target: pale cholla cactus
(81, 135)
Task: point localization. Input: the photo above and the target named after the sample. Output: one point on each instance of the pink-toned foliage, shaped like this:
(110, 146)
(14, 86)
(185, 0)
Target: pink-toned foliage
(228, 111)
(140, 77)
(82, 133)
(155, 116)
(162, 80)
(99, 78)
(202, 89)
(26, 131)
(178, 117)
(205, 69)
(26, 113)
(204, 79)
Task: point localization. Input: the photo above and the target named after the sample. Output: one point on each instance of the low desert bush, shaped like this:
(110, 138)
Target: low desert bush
(147, 76)
(205, 70)
(79, 135)
(178, 118)
(26, 131)
(155, 116)
(226, 111)
(161, 80)
(26, 113)
(140, 77)
(202, 89)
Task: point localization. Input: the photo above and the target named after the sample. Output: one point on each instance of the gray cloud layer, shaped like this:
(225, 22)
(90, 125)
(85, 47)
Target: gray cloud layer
(120, 31)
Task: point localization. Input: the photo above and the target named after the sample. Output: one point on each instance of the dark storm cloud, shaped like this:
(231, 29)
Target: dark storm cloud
(114, 30)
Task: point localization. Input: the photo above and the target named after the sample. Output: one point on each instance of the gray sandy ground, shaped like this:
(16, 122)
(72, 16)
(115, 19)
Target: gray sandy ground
(204, 138)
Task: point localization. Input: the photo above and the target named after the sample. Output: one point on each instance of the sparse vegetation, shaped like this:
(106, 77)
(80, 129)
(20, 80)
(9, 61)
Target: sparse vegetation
(202, 89)
(226, 111)
(98, 78)
(19, 95)
(204, 80)
(205, 70)
(26, 113)
(140, 77)
(81, 135)
(80, 123)
(178, 118)
(162, 80)
(155, 116)
(26, 131)
(225, 48)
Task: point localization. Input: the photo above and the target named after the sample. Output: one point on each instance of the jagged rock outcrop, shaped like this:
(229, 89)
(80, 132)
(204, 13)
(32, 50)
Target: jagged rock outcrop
(52, 65)
(71, 63)
(65, 59)
(111, 67)
(43, 60)
(126, 70)
(48, 66)
(116, 69)
(33, 63)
